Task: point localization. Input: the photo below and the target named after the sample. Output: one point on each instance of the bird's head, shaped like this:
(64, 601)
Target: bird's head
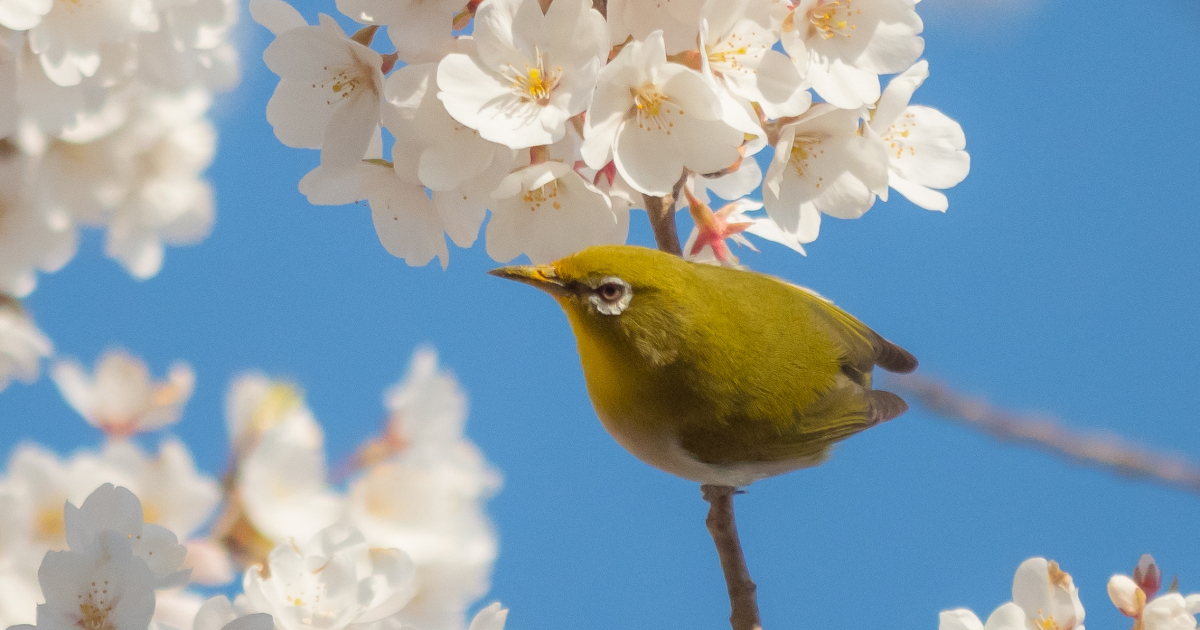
(617, 292)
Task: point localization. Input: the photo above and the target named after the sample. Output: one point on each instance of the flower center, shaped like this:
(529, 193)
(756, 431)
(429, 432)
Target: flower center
(343, 83)
(539, 197)
(805, 149)
(897, 134)
(94, 611)
(829, 19)
(535, 84)
(653, 109)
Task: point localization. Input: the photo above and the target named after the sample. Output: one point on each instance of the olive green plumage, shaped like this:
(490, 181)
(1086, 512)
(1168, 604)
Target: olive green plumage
(714, 374)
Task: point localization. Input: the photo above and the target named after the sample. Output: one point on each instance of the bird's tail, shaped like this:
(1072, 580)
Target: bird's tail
(885, 406)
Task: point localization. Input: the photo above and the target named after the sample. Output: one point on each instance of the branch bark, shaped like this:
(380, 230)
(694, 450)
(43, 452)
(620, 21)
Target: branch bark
(1045, 432)
(662, 218)
(722, 526)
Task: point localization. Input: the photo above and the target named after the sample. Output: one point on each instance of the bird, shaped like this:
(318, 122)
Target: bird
(717, 375)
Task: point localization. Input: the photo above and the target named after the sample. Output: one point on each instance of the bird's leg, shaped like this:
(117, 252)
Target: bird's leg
(722, 526)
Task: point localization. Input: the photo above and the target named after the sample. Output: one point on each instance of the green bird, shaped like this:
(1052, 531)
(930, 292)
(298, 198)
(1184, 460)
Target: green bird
(716, 375)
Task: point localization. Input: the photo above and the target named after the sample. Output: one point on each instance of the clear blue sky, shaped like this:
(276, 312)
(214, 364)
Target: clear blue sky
(1064, 279)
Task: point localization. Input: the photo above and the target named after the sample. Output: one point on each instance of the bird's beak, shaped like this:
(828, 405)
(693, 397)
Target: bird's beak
(541, 276)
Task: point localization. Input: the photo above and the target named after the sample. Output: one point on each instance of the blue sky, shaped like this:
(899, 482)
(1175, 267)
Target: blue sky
(1063, 279)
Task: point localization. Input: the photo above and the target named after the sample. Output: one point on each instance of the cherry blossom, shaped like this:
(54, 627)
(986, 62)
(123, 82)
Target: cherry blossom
(119, 398)
(842, 46)
(678, 20)
(707, 243)
(737, 38)
(547, 211)
(654, 118)
(925, 147)
(332, 582)
(824, 163)
(329, 91)
(527, 72)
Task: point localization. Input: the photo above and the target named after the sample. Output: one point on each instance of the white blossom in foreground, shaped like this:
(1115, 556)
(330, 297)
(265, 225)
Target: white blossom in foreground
(825, 162)
(737, 37)
(925, 147)
(22, 345)
(528, 72)
(1044, 597)
(219, 614)
(547, 211)
(842, 46)
(677, 19)
(119, 398)
(654, 118)
(329, 89)
(438, 520)
(115, 562)
(333, 581)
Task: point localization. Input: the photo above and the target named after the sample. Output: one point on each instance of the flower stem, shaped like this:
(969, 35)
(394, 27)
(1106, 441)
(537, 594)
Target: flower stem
(722, 526)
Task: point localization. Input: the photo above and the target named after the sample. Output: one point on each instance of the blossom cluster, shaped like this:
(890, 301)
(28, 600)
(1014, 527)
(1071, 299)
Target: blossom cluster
(401, 540)
(1044, 597)
(103, 123)
(559, 117)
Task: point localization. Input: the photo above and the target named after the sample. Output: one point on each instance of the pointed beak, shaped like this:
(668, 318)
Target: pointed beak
(540, 276)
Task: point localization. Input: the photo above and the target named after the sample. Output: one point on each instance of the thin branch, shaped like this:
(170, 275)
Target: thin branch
(722, 526)
(662, 218)
(1045, 432)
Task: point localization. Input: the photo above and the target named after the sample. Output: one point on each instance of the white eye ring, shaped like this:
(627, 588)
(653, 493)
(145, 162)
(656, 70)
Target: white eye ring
(611, 296)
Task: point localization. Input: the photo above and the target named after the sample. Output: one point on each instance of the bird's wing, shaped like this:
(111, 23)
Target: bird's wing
(864, 347)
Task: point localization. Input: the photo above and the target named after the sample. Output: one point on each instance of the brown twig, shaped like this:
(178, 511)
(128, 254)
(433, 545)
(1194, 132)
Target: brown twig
(1045, 432)
(722, 526)
(662, 218)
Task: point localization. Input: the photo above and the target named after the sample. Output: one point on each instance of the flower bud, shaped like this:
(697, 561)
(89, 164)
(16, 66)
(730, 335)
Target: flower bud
(1147, 575)
(1126, 595)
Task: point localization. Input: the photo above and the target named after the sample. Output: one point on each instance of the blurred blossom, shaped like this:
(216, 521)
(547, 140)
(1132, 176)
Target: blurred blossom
(22, 345)
(254, 404)
(282, 479)
(679, 21)
(119, 397)
(219, 614)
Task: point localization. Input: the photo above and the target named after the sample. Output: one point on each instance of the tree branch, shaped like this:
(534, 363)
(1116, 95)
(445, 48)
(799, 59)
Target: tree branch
(1110, 452)
(662, 218)
(722, 526)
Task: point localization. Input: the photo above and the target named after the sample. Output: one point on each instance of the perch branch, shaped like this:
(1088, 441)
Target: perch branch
(1045, 432)
(722, 526)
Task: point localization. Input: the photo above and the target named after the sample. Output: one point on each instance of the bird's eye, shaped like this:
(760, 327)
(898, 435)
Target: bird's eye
(611, 296)
(611, 291)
